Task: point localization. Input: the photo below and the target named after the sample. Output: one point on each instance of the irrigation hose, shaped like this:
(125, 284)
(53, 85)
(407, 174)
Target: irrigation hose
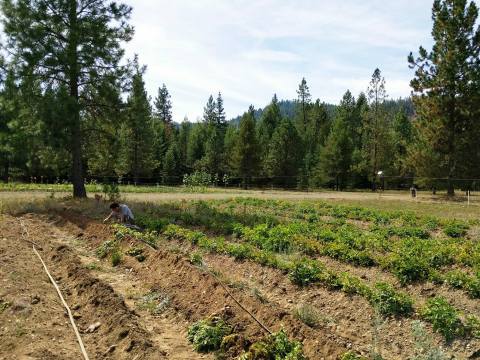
(238, 302)
(226, 290)
(72, 321)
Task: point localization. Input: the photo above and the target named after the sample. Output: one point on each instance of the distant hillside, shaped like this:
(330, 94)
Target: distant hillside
(287, 108)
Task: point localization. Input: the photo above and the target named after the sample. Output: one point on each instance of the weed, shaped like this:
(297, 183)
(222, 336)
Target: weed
(196, 259)
(259, 296)
(424, 347)
(154, 302)
(94, 266)
(308, 315)
(207, 335)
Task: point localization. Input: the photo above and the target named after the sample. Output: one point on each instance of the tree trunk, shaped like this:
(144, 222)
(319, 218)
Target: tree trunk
(77, 166)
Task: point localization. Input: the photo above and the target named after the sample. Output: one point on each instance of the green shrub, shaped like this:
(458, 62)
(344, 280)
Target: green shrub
(305, 272)
(239, 251)
(276, 346)
(207, 335)
(444, 318)
(388, 301)
(455, 229)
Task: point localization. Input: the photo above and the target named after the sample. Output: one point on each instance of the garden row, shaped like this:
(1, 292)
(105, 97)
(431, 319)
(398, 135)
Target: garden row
(444, 318)
(409, 252)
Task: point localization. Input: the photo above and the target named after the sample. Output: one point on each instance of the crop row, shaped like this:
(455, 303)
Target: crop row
(407, 252)
(444, 318)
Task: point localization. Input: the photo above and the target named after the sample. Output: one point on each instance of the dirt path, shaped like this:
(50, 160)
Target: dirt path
(35, 318)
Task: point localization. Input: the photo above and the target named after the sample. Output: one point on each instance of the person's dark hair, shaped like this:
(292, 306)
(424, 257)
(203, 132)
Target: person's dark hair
(114, 206)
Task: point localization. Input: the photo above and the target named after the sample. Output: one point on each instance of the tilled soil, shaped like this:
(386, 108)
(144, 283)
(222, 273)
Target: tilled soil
(34, 325)
(111, 296)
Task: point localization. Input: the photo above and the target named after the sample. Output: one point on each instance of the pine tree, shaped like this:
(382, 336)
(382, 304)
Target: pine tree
(303, 104)
(69, 43)
(314, 137)
(336, 155)
(446, 94)
(284, 156)
(375, 128)
(196, 146)
(220, 111)
(137, 134)
(210, 112)
(246, 158)
(402, 138)
(163, 106)
(269, 121)
(171, 165)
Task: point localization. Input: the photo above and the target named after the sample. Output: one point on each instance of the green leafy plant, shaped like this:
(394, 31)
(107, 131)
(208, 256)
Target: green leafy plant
(455, 229)
(103, 250)
(116, 257)
(207, 335)
(444, 318)
(350, 355)
(137, 252)
(196, 259)
(275, 346)
(305, 272)
(389, 301)
(154, 302)
(3, 305)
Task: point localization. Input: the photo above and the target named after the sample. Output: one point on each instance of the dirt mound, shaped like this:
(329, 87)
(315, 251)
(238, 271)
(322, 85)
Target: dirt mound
(109, 328)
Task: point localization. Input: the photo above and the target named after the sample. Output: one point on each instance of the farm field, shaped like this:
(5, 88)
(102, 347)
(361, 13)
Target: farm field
(358, 277)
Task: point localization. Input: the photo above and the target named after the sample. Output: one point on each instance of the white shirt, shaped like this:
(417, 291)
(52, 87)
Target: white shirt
(125, 210)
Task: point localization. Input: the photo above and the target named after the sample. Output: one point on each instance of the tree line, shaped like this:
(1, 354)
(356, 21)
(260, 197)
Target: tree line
(72, 107)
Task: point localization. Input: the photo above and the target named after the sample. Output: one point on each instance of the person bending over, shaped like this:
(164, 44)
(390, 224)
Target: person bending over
(121, 213)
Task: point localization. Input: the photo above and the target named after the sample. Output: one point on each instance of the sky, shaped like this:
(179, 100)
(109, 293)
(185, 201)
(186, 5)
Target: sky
(250, 49)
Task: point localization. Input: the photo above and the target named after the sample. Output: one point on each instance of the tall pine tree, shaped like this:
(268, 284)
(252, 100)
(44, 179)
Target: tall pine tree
(446, 90)
(70, 43)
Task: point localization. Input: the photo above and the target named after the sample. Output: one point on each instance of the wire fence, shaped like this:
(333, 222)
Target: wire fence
(294, 183)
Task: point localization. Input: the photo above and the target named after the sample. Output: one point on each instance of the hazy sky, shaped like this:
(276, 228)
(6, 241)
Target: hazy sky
(251, 49)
